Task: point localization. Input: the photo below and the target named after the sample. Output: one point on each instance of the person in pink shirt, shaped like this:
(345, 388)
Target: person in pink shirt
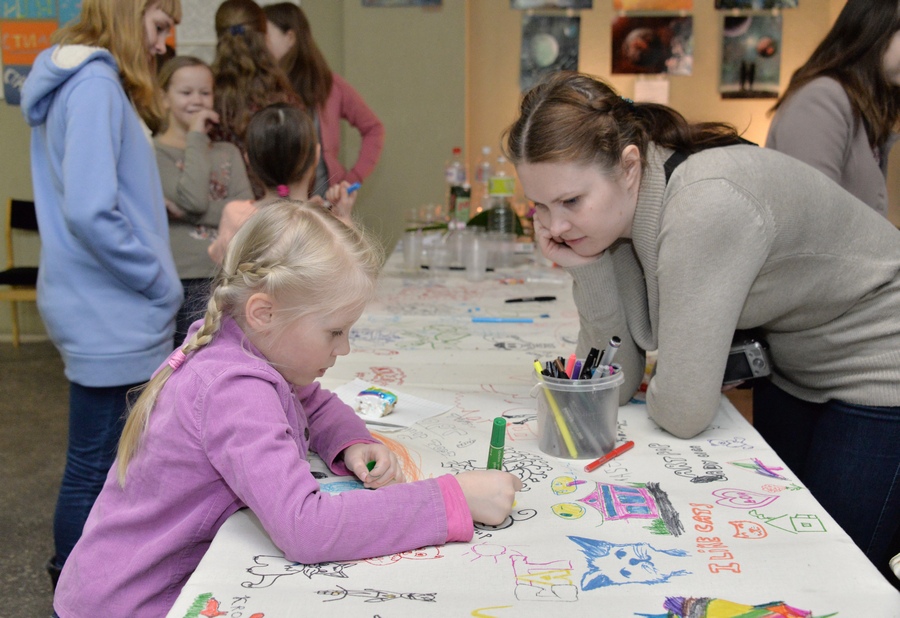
(326, 94)
(228, 419)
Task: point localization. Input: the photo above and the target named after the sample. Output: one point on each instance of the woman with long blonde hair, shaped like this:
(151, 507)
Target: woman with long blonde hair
(107, 289)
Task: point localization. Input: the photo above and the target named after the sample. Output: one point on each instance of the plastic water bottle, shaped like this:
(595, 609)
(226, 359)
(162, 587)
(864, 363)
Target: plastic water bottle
(501, 188)
(484, 169)
(455, 177)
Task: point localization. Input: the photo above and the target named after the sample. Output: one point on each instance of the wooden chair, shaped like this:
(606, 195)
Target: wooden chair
(18, 283)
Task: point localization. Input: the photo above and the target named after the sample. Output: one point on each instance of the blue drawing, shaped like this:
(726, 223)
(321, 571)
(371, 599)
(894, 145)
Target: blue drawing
(614, 564)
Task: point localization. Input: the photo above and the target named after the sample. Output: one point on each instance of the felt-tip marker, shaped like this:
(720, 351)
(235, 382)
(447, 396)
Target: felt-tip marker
(531, 299)
(609, 456)
(352, 188)
(498, 441)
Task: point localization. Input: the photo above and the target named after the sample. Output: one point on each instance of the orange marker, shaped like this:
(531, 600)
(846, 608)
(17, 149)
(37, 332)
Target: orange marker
(609, 456)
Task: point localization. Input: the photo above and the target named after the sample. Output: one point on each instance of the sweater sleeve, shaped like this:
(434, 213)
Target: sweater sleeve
(249, 440)
(360, 116)
(192, 188)
(816, 126)
(713, 240)
(333, 425)
(601, 316)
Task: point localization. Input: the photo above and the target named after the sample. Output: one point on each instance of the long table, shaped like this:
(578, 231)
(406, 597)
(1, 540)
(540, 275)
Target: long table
(716, 525)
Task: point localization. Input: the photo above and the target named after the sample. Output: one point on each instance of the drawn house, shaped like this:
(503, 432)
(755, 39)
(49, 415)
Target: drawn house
(622, 502)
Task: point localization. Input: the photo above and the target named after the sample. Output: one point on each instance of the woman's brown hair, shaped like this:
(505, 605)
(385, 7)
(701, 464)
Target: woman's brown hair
(852, 53)
(246, 77)
(574, 117)
(304, 63)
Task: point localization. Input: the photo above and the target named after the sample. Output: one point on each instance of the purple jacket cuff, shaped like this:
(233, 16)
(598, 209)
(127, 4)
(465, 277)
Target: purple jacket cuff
(459, 519)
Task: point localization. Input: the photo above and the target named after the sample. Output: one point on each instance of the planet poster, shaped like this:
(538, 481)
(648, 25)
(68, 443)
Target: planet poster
(659, 44)
(751, 56)
(549, 43)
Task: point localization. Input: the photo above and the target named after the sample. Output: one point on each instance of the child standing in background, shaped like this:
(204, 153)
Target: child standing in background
(198, 178)
(282, 151)
(228, 421)
(247, 77)
(327, 96)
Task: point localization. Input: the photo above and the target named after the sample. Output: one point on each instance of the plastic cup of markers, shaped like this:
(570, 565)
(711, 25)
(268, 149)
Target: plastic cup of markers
(577, 419)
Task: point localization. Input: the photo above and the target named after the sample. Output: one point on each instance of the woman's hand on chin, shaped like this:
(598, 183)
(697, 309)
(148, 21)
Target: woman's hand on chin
(558, 251)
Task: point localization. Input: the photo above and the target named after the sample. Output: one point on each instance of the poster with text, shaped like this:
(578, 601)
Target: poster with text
(663, 44)
(751, 56)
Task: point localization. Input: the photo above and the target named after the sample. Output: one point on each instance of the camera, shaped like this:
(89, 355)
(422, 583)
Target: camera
(748, 359)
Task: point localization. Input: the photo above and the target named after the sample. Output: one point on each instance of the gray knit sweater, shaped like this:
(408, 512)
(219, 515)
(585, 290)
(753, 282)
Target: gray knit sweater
(199, 179)
(745, 237)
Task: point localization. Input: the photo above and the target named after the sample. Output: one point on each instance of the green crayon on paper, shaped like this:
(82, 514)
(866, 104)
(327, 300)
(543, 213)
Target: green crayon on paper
(498, 440)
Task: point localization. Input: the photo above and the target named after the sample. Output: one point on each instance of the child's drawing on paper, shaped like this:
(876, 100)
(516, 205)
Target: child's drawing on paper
(377, 596)
(624, 502)
(759, 467)
(703, 607)
(615, 564)
(270, 568)
(544, 581)
(744, 529)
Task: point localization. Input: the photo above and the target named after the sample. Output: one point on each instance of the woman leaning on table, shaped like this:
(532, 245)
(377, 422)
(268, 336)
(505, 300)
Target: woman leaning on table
(737, 237)
(841, 109)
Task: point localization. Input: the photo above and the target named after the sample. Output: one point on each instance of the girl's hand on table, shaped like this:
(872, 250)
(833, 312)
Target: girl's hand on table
(387, 467)
(489, 494)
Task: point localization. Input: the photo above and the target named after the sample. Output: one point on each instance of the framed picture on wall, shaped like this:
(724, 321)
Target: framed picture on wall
(549, 43)
(756, 4)
(653, 5)
(550, 4)
(659, 44)
(392, 3)
(751, 56)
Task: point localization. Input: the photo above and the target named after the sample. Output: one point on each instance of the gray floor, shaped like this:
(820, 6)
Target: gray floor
(33, 424)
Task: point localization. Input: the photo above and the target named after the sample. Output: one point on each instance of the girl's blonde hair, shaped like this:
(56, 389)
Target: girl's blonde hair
(247, 77)
(296, 252)
(118, 26)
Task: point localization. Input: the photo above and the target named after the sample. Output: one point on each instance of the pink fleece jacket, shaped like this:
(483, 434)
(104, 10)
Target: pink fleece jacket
(228, 432)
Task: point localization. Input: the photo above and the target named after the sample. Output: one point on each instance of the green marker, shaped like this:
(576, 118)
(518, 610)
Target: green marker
(498, 439)
(370, 465)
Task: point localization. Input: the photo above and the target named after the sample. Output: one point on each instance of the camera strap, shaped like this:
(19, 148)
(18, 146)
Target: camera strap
(680, 156)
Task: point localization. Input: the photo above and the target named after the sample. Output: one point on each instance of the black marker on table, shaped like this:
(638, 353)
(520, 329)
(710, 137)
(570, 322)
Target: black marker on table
(531, 299)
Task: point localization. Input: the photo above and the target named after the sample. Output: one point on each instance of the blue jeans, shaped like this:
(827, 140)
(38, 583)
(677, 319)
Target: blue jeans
(96, 418)
(848, 456)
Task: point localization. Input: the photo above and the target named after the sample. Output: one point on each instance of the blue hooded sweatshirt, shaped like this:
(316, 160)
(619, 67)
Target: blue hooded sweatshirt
(107, 286)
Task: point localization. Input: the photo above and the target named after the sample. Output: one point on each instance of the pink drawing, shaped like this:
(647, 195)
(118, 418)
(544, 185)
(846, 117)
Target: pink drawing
(742, 499)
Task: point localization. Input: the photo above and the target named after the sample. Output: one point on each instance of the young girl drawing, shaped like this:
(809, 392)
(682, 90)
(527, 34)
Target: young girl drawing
(227, 422)
(282, 151)
(198, 178)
